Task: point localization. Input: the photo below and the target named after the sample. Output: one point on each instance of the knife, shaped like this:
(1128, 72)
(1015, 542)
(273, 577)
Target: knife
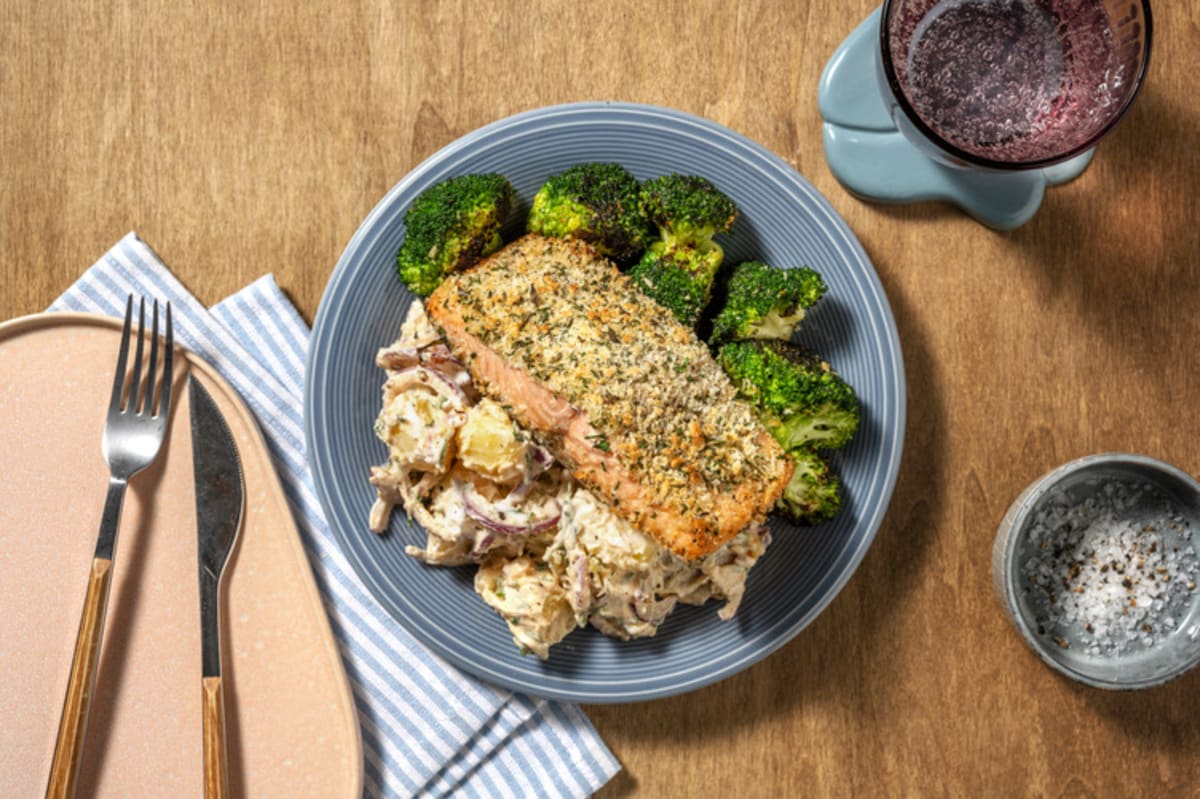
(219, 504)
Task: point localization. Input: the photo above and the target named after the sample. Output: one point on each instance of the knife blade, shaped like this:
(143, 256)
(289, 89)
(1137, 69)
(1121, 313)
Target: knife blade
(219, 506)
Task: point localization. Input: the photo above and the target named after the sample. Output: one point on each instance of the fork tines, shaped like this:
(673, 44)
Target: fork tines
(133, 394)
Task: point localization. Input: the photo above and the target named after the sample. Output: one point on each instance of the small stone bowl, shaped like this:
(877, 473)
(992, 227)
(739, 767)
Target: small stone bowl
(1149, 492)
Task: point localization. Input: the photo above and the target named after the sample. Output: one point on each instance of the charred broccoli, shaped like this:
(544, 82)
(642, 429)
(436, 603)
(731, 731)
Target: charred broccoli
(796, 394)
(678, 280)
(596, 202)
(807, 407)
(688, 211)
(765, 302)
(451, 226)
(814, 494)
(680, 265)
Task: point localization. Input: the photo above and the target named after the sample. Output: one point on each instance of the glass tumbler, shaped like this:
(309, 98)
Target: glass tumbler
(1011, 84)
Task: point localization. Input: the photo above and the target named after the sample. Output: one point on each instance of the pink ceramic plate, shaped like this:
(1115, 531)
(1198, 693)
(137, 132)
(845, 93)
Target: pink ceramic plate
(291, 724)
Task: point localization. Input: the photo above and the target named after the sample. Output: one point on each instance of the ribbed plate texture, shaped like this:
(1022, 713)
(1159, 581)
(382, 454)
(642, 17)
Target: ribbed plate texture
(785, 222)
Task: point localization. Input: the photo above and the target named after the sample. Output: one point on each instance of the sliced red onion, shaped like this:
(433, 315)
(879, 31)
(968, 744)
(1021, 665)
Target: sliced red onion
(434, 354)
(537, 461)
(482, 544)
(451, 385)
(397, 358)
(581, 583)
(439, 356)
(521, 490)
(493, 518)
(421, 376)
(542, 457)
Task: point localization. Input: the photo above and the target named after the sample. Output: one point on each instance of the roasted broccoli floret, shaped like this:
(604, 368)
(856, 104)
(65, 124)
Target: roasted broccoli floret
(596, 202)
(679, 280)
(765, 302)
(795, 393)
(688, 211)
(814, 494)
(807, 407)
(680, 265)
(451, 226)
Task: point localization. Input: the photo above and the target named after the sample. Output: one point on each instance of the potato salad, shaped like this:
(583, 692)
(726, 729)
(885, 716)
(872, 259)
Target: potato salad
(551, 557)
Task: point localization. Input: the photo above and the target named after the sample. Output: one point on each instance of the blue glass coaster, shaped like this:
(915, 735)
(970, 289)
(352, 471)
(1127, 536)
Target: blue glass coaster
(873, 160)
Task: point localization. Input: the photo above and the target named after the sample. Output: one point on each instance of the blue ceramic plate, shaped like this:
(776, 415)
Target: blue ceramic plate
(784, 221)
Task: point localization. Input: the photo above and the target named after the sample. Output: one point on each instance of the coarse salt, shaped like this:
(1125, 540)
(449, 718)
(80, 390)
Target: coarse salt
(1113, 572)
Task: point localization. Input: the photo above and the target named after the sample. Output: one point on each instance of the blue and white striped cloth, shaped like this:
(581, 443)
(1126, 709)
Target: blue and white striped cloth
(427, 729)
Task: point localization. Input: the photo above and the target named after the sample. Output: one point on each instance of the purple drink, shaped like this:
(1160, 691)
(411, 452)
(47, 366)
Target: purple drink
(1013, 81)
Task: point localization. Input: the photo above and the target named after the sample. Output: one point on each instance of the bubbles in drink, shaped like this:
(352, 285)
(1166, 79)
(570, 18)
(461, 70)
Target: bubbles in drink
(1008, 80)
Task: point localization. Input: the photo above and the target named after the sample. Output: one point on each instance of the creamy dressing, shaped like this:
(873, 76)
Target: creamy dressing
(551, 556)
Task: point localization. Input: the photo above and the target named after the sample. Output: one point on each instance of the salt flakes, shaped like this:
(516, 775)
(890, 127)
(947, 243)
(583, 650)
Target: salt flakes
(1113, 572)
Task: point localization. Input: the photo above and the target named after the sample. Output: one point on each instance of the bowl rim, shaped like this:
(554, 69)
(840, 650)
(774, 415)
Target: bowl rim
(1014, 523)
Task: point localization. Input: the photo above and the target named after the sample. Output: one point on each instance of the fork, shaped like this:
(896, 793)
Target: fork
(133, 434)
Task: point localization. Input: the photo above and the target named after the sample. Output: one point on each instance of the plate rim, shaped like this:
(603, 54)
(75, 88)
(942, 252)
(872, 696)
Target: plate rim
(232, 402)
(844, 241)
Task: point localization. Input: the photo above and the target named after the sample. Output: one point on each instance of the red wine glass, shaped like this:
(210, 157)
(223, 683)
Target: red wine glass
(1011, 84)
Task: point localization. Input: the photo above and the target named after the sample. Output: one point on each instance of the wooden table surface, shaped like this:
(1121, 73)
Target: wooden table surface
(240, 141)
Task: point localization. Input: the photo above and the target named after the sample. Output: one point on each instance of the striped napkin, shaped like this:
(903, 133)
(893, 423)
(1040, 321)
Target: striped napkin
(427, 728)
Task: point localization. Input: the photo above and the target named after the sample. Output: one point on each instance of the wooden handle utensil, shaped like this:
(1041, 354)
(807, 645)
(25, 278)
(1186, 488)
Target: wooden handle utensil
(68, 750)
(216, 773)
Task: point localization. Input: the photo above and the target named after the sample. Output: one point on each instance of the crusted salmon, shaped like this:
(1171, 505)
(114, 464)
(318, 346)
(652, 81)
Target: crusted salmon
(626, 397)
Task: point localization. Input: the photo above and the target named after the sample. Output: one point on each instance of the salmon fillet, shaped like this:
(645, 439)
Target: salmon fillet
(626, 397)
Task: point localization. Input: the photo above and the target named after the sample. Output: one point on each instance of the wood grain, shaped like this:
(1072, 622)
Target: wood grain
(240, 141)
(81, 684)
(216, 772)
